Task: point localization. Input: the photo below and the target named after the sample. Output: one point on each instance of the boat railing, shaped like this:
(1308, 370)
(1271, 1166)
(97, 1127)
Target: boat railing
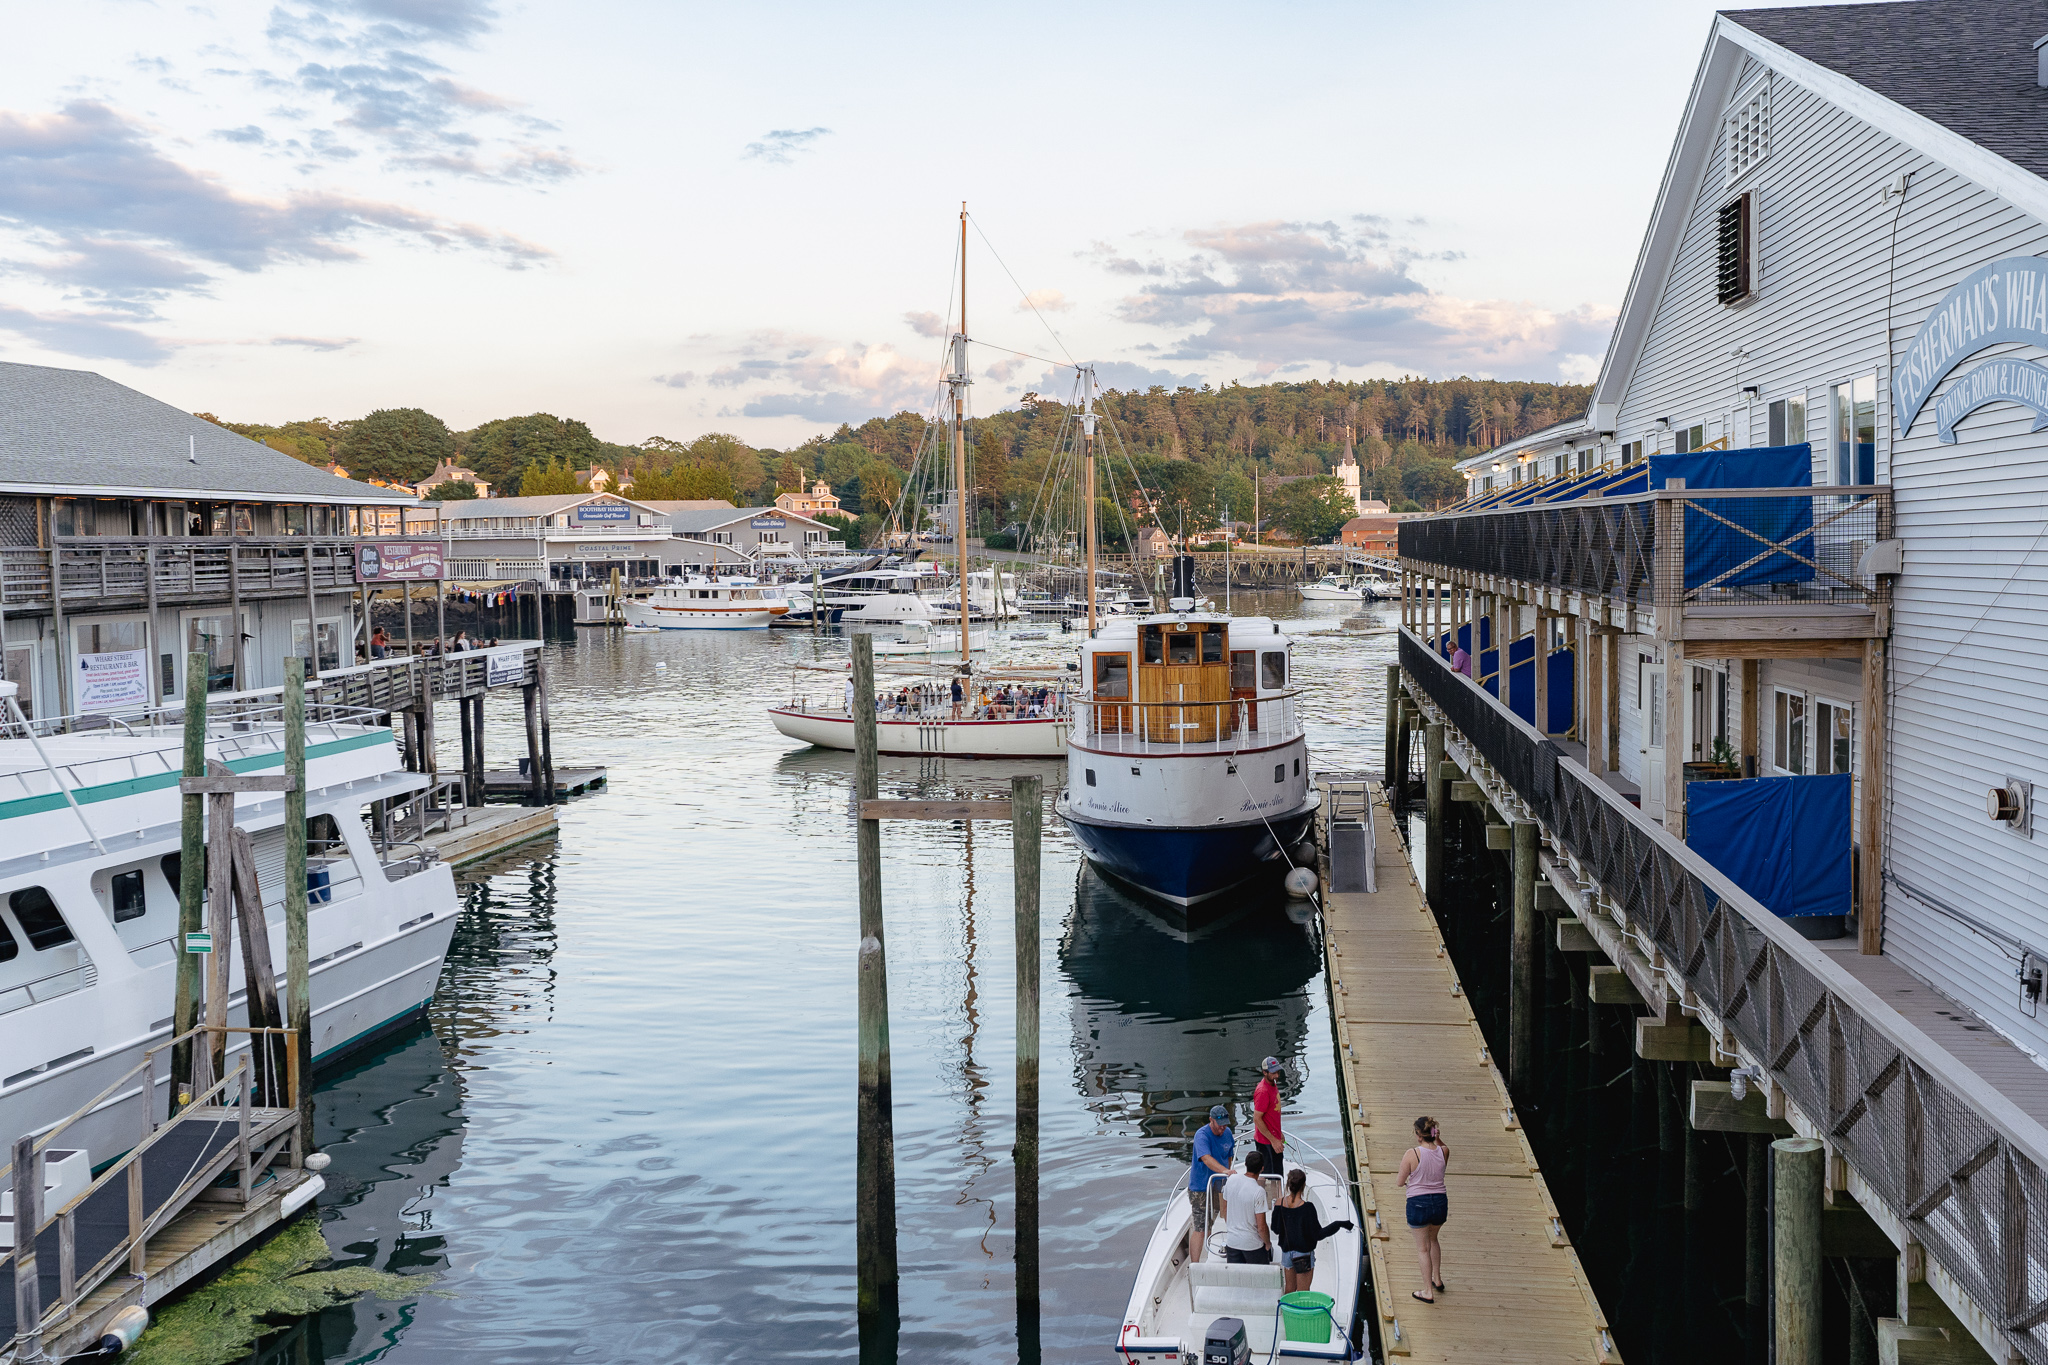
(63, 981)
(1120, 726)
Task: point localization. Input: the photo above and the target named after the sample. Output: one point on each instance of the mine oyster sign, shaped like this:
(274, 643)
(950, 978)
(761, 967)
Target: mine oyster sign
(2000, 303)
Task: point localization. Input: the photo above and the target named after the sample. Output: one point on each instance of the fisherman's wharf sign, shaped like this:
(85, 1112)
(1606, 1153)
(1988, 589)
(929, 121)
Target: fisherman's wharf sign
(2004, 380)
(2003, 302)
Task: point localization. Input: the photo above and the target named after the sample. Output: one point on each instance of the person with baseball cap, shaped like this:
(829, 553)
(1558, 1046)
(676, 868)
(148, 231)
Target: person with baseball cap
(1266, 1118)
(1215, 1144)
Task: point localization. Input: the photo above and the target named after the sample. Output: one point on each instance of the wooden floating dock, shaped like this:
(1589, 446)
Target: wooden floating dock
(506, 784)
(1409, 1045)
(477, 832)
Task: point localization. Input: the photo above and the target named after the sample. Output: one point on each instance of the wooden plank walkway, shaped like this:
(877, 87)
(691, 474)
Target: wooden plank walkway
(1408, 1045)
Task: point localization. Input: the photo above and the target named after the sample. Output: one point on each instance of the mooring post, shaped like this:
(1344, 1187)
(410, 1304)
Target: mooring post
(1522, 959)
(1026, 818)
(191, 881)
(28, 1213)
(875, 1175)
(1398, 779)
(298, 972)
(1389, 774)
(530, 696)
(1435, 789)
(1756, 1265)
(1796, 1166)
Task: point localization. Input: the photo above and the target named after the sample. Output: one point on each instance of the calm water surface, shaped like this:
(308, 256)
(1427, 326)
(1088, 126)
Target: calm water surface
(627, 1130)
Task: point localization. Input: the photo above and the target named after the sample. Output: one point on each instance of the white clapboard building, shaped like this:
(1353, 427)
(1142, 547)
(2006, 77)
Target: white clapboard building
(1849, 251)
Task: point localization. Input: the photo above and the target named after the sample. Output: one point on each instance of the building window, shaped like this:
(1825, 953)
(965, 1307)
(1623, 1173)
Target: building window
(1631, 451)
(1691, 438)
(1585, 460)
(1748, 133)
(1834, 732)
(1853, 416)
(1788, 421)
(1788, 748)
(1732, 236)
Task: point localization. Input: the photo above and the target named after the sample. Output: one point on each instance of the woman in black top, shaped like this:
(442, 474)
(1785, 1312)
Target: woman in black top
(1297, 1229)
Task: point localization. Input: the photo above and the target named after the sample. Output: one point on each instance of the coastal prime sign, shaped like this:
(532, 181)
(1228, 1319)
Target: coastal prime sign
(2005, 380)
(2004, 302)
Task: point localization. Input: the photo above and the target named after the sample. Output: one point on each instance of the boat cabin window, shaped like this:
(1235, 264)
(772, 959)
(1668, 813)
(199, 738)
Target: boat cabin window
(1273, 670)
(323, 836)
(1244, 670)
(1155, 648)
(1180, 648)
(1113, 676)
(38, 917)
(1212, 646)
(9, 949)
(128, 899)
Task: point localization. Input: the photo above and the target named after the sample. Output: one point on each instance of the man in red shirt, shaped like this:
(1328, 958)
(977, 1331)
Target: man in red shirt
(1266, 1117)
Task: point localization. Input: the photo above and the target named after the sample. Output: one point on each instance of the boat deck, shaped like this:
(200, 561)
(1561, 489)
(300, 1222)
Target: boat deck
(1408, 1044)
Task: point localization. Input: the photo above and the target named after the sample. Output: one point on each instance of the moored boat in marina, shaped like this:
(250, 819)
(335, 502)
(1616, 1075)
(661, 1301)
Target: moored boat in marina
(703, 603)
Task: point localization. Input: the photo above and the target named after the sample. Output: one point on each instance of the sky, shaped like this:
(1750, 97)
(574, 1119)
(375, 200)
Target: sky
(668, 219)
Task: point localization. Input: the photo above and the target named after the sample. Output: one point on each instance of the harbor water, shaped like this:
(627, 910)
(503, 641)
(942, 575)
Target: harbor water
(626, 1130)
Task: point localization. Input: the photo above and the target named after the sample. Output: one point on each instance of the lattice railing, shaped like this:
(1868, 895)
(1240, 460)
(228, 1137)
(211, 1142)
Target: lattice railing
(1954, 1160)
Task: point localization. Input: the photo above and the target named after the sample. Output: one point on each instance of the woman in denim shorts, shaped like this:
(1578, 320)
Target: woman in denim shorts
(1429, 1203)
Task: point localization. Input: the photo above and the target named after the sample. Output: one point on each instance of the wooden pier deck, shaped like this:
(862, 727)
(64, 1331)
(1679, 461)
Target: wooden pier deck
(1408, 1045)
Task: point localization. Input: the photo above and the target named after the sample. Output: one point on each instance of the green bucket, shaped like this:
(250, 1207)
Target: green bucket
(1305, 1315)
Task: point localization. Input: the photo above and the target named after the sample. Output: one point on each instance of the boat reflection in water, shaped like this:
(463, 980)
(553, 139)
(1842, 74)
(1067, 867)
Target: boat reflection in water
(1169, 1021)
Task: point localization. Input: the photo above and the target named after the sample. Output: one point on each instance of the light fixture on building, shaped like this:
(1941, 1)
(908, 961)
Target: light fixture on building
(1522, 458)
(1496, 466)
(1663, 424)
(1751, 392)
(1740, 1079)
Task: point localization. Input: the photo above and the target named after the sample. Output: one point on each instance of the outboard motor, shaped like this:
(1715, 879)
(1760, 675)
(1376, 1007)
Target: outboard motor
(1183, 577)
(1226, 1343)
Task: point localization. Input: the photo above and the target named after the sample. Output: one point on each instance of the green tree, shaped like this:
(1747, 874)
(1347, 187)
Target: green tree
(502, 449)
(684, 483)
(1432, 482)
(552, 477)
(452, 490)
(398, 444)
(1311, 510)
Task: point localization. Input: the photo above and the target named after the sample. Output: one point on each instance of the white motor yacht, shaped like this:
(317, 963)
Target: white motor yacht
(705, 603)
(871, 595)
(89, 877)
(1334, 587)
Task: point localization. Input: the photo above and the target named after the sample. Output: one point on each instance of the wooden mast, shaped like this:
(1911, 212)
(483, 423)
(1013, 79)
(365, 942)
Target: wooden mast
(960, 440)
(1088, 481)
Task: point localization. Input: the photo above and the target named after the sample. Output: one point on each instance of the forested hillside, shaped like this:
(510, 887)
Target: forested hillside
(1205, 445)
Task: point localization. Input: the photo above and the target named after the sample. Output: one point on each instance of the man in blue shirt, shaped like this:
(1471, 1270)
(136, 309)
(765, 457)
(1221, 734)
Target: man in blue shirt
(1215, 1144)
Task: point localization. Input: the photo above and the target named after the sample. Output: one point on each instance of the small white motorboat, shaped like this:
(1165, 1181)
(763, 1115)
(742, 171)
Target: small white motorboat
(926, 642)
(1174, 1303)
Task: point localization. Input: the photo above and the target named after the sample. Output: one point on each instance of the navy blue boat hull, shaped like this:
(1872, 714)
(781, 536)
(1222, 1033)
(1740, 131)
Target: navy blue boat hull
(1188, 866)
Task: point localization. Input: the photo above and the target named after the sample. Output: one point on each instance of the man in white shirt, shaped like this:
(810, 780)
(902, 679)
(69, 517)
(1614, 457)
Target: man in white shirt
(1246, 1240)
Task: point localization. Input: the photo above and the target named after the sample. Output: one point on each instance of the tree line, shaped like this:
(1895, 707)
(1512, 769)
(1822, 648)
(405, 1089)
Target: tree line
(1200, 449)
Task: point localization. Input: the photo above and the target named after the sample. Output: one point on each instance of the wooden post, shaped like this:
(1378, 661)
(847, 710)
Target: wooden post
(1593, 704)
(408, 619)
(149, 632)
(258, 975)
(298, 971)
(28, 1213)
(1435, 791)
(875, 1167)
(235, 607)
(1522, 990)
(1505, 619)
(1390, 774)
(465, 723)
(530, 695)
(1674, 737)
(476, 788)
(1752, 719)
(1796, 1167)
(61, 629)
(1870, 913)
(220, 891)
(191, 883)
(547, 739)
(1026, 817)
(1539, 659)
(312, 616)
(1610, 667)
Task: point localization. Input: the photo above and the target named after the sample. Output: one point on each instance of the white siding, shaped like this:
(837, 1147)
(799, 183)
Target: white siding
(1969, 672)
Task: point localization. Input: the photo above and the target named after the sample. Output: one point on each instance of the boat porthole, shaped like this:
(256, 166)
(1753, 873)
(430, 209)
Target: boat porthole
(1091, 776)
(1230, 767)
(1279, 772)
(1297, 767)
(1134, 772)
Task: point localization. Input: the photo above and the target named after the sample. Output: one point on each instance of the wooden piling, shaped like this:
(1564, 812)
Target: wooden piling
(1522, 959)
(1435, 792)
(530, 698)
(298, 979)
(191, 881)
(1393, 720)
(1756, 1264)
(220, 892)
(1026, 819)
(258, 975)
(1796, 1169)
(875, 1173)
(28, 1213)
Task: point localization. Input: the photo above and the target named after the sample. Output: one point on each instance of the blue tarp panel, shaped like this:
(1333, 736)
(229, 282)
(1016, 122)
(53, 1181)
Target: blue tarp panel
(1622, 482)
(1522, 685)
(1713, 549)
(1784, 840)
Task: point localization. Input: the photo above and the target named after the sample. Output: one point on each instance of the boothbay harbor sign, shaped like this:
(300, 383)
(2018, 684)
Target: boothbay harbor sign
(2003, 303)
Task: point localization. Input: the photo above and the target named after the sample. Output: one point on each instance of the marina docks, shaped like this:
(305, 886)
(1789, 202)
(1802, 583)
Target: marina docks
(1407, 1045)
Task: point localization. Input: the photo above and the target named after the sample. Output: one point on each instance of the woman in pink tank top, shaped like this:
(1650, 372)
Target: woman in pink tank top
(1429, 1203)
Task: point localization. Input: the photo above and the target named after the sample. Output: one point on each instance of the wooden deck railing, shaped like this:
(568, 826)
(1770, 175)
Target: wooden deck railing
(1960, 1166)
(98, 571)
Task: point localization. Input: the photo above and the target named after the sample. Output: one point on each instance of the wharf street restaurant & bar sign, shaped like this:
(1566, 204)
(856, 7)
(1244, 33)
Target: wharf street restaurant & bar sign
(398, 561)
(2003, 303)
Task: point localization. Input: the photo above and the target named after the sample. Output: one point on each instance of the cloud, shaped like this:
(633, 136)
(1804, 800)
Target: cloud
(780, 147)
(1044, 301)
(928, 324)
(248, 132)
(682, 379)
(774, 374)
(370, 57)
(1113, 374)
(100, 335)
(1281, 297)
(315, 343)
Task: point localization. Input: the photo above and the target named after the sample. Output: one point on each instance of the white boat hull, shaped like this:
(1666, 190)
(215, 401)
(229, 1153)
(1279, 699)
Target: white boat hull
(1314, 592)
(1046, 738)
(698, 618)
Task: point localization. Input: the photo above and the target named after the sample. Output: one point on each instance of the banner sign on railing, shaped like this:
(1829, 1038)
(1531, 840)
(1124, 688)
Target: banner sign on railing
(505, 666)
(400, 561)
